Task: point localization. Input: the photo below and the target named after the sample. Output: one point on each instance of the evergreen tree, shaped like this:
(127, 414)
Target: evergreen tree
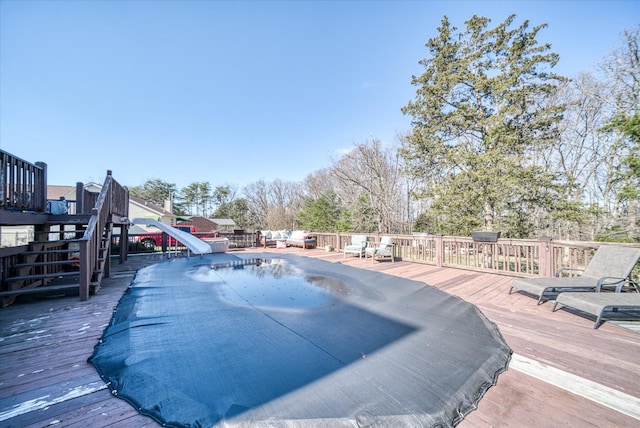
(479, 116)
(197, 196)
(322, 214)
(157, 192)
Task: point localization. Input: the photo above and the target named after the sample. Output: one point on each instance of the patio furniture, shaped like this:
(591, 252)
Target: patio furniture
(599, 304)
(357, 246)
(301, 238)
(609, 268)
(382, 251)
(271, 238)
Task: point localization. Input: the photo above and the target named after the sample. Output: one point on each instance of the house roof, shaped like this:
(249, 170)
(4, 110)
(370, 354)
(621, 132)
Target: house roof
(201, 224)
(150, 206)
(223, 221)
(55, 192)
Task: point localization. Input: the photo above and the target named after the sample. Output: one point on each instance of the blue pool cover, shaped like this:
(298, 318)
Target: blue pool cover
(295, 341)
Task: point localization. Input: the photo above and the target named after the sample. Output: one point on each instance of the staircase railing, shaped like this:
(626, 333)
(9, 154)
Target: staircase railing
(112, 207)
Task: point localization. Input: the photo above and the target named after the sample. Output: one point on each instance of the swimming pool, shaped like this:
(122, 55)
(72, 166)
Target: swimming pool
(295, 341)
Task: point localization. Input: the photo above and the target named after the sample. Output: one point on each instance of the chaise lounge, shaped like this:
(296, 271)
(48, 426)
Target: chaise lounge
(609, 268)
(599, 304)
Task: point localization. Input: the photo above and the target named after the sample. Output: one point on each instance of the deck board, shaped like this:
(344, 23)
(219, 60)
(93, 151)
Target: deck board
(45, 343)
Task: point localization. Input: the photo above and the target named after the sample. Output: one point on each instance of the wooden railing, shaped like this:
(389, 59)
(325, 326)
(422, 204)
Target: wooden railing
(95, 247)
(85, 200)
(23, 185)
(516, 257)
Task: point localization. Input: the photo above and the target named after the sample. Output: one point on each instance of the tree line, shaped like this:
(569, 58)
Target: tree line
(498, 141)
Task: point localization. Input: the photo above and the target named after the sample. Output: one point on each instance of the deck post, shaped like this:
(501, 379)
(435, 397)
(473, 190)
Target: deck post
(85, 277)
(124, 242)
(3, 178)
(545, 257)
(79, 198)
(124, 228)
(439, 244)
(41, 188)
(106, 267)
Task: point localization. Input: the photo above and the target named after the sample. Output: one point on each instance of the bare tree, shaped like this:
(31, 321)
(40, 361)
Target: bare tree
(318, 183)
(257, 196)
(622, 69)
(372, 173)
(589, 155)
(273, 205)
(576, 160)
(284, 203)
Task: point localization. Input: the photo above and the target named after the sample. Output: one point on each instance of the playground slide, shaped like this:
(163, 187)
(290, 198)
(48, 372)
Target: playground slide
(195, 245)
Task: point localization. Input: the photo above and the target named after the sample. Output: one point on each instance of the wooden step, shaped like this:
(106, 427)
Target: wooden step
(41, 276)
(27, 253)
(64, 219)
(49, 263)
(43, 289)
(55, 241)
(94, 286)
(48, 240)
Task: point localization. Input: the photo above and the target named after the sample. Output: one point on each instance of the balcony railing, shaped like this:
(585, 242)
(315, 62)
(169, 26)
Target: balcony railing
(23, 185)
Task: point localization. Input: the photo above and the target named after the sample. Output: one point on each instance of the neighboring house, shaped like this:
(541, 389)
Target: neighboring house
(12, 236)
(205, 225)
(139, 208)
(200, 224)
(55, 192)
(224, 224)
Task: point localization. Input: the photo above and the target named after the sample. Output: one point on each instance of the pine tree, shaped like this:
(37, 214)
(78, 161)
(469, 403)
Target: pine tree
(479, 116)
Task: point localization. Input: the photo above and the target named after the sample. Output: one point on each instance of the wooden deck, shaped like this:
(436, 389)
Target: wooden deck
(563, 373)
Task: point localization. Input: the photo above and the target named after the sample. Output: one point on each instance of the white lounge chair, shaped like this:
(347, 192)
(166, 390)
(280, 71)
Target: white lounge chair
(609, 268)
(383, 250)
(357, 246)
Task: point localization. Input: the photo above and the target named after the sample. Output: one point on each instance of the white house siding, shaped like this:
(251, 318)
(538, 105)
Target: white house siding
(12, 236)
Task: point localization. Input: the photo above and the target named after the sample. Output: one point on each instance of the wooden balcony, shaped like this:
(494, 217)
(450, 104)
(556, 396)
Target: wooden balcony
(563, 372)
(36, 267)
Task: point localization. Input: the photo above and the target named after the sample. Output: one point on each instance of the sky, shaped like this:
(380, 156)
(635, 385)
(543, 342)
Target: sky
(234, 92)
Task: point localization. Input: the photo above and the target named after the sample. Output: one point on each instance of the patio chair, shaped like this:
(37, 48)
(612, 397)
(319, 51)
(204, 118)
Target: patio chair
(609, 268)
(599, 304)
(357, 246)
(383, 250)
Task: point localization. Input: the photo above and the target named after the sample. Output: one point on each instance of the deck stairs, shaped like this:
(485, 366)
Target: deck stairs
(52, 266)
